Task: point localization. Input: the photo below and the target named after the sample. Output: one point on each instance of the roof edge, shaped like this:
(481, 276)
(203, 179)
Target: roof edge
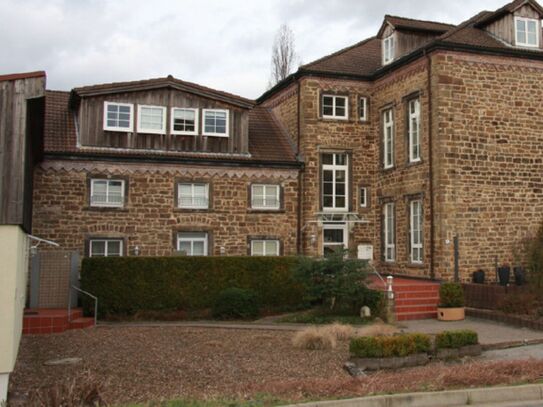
(22, 75)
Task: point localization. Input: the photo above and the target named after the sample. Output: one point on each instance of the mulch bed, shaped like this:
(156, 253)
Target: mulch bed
(137, 364)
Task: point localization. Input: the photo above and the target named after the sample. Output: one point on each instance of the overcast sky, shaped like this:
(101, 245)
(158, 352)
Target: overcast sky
(217, 43)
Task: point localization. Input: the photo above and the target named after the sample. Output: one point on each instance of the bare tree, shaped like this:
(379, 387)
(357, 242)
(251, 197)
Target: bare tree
(283, 55)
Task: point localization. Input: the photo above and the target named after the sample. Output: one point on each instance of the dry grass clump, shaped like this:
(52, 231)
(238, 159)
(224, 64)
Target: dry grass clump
(377, 330)
(341, 332)
(314, 339)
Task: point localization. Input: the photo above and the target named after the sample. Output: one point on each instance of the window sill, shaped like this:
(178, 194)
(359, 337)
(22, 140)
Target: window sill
(389, 169)
(416, 265)
(410, 164)
(193, 210)
(215, 135)
(105, 209)
(257, 211)
(334, 118)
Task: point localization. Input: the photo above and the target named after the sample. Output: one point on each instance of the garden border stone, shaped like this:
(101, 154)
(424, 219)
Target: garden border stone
(418, 359)
(453, 353)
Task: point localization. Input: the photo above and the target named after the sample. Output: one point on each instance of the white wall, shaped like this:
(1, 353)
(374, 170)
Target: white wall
(13, 277)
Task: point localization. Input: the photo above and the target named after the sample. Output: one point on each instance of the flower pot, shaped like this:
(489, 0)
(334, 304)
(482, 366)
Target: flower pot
(518, 273)
(504, 273)
(479, 277)
(450, 314)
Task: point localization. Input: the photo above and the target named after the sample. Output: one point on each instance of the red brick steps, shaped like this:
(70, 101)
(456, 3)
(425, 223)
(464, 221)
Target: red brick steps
(48, 320)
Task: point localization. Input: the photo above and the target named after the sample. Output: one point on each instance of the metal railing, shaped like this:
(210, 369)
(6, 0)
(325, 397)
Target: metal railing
(95, 299)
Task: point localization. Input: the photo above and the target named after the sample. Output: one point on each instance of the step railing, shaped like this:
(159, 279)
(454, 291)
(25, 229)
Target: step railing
(94, 298)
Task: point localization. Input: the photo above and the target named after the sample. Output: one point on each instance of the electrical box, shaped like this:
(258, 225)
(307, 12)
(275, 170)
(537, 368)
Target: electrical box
(365, 252)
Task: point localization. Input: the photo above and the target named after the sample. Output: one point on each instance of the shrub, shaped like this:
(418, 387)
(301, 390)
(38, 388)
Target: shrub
(451, 295)
(523, 303)
(125, 285)
(314, 339)
(456, 339)
(236, 303)
(389, 346)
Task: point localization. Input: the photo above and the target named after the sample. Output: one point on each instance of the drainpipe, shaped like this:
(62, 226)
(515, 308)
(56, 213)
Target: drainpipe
(300, 173)
(430, 163)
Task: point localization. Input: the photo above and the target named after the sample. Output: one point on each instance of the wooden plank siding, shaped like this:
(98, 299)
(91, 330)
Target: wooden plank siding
(407, 41)
(91, 132)
(15, 151)
(504, 28)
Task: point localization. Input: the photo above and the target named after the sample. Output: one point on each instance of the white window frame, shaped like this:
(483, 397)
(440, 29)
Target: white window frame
(106, 247)
(537, 32)
(192, 196)
(339, 226)
(264, 241)
(196, 121)
(414, 133)
(413, 207)
(336, 167)
(389, 49)
(388, 132)
(192, 240)
(363, 101)
(152, 131)
(334, 104)
(363, 197)
(389, 242)
(107, 204)
(265, 187)
(116, 128)
(227, 128)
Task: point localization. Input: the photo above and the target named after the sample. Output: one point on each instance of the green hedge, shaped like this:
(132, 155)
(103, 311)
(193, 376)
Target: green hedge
(456, 339)
(125, 285)
(390, 346)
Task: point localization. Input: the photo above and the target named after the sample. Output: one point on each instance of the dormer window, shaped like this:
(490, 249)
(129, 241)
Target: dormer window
(151, 119)
(526, 32)
(388, 49)
(118, 116)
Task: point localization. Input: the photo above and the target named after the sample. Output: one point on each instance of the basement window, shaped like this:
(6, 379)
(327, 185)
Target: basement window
(527, 32)
(192, 243)
(264, 247)
(105, 247)
(335, 107)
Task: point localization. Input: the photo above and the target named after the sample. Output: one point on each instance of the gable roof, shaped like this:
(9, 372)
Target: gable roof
(410, 24)
(509, 8)
(23, 75)
(157, 83)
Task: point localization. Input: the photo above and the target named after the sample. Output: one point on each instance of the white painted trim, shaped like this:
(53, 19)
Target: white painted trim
(412, 230)
(365, 205)
(192, 196)
(335, 167)
(388, 124)
(334, 98)
(364, 117)
(106, 246)
(265, 187)
(390, 56)
(152, 131)
(204, 111)
(116, 128)
(338, 226)
(192, 240)
(264, 241)
(196, 121)
(107, 204)
(4, 380)
(537, 32)
(389, 216)
(410, 117)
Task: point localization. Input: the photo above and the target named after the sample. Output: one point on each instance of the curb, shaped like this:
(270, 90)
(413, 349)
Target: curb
(527, 393)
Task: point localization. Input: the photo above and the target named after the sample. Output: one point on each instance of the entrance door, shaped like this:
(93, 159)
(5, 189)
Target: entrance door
(335, 237)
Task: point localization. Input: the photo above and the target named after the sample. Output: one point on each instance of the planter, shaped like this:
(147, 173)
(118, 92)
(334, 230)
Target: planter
(479, 277)
(504, 273)
(518, 273)
(450, 314)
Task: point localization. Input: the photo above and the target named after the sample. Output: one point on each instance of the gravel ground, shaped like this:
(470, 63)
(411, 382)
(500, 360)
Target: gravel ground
(140, 364)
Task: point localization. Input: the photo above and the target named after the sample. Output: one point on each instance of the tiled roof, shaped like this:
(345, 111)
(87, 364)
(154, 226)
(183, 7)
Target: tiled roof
(23, 75)
(267, 140)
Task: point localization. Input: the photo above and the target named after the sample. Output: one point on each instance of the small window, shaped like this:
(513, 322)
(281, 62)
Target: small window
(364, 197)
(527, 32)
(335, 107)
(192, 243)
(151, 119)
(335, 237)
(389, 239)
(415, 230)
(193, 195)
(184, 121)
(107, 192)
(388, 49)
(215, 122)
(414, 130)
(335, 186)
(264, 247)
(363, 109)
(118, 116)
(265, 196)
(388, 138)
(105, 248)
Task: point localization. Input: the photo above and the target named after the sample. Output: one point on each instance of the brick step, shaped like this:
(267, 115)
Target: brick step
(81, 323)
(414, 294)
(414, 308)
(410, 316)
(417, 301)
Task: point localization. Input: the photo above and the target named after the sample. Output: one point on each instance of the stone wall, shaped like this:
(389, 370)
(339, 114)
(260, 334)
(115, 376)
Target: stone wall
(150, 218)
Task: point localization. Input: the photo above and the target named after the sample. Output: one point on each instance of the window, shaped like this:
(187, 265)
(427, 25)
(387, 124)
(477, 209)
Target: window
(335, 238)
(264, 247)
(193, 195)
(107, 192)
(363, 197)
(265, 196)
(415, 230)
(335, 107)
(389, 240)
(105, 248)
(192, 243)
(414, 129)
(184, 121)
(388, 138)
(151, 119)
(335, 187)
(118, 116)
(363, 109)
(527, 32)
(215, 122)
(388, 50)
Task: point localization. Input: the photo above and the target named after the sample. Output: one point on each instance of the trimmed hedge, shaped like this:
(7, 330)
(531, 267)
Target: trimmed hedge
(390, 346)
(451, 295)
(125, 285)
(236, 303)
(456, 339)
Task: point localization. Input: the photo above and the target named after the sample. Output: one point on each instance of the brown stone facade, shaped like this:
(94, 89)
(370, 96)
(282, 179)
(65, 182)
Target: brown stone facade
(150, 218)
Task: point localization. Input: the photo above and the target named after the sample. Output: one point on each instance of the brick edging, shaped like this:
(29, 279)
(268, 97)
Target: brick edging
(505, 318)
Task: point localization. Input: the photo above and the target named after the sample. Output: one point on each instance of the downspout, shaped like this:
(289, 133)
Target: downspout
(300, 171)
(430, 163)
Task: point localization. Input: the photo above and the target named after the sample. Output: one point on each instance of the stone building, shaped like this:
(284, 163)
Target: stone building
(394, 148)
